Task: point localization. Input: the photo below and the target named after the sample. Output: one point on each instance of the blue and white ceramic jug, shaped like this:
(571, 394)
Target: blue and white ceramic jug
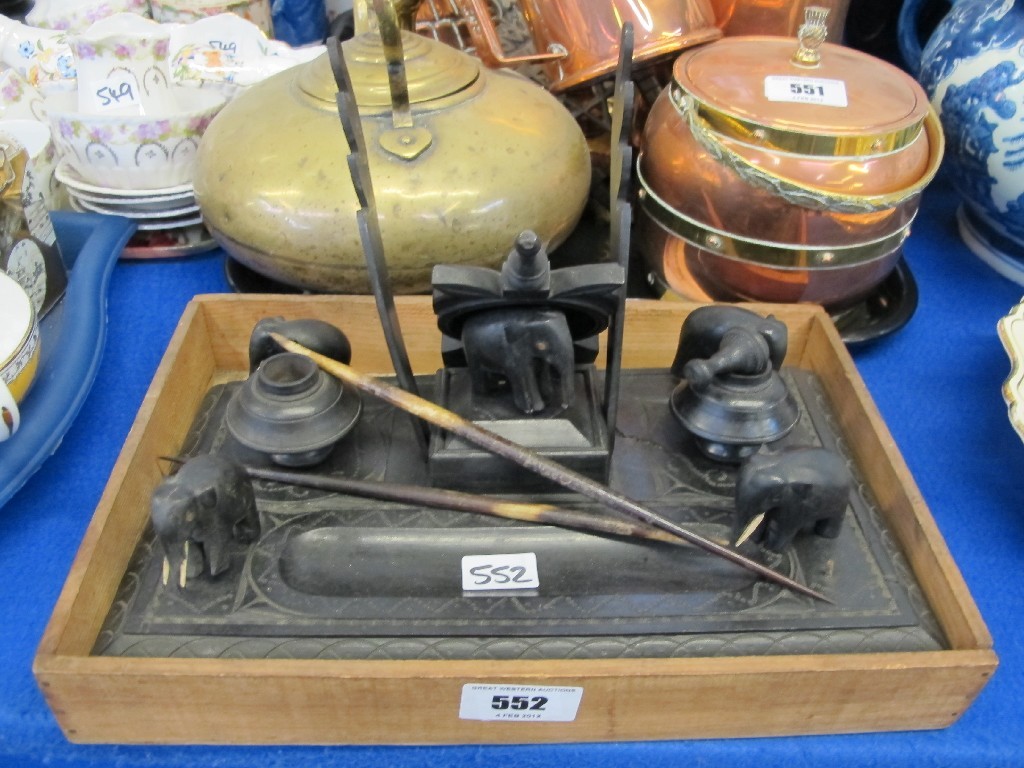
(972, 68)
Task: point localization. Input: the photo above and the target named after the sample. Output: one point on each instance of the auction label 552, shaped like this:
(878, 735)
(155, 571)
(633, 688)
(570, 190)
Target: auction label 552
(526, 703)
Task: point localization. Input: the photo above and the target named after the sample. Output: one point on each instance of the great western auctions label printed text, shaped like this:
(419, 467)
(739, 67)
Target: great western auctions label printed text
(526, 703)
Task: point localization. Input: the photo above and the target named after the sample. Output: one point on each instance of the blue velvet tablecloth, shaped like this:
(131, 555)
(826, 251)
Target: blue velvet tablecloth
(937, 383)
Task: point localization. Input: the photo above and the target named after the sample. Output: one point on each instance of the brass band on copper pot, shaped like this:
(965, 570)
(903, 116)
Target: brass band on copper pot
(800, 194)
(762, 251)
(802, 141)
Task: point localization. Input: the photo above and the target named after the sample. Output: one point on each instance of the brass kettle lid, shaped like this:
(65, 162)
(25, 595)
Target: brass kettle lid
(433, 70)
(805, 95)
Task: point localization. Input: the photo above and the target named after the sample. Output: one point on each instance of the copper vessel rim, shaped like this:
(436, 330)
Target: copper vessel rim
(846, 141)
(648, 54)
(828, 200)
(797, 140)
(764, 252)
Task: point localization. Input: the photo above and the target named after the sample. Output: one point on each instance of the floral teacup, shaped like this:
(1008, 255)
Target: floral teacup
(135, 152)
(75, 15)
(18, 99)
(41, 56)
(228, 52)
(122, 67)
(185, 11)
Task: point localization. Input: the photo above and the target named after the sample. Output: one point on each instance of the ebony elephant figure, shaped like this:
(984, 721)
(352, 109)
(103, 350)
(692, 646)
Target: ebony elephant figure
(798, 490)
(530, 348)
(196, 514)
(317, 335)
(703, 330)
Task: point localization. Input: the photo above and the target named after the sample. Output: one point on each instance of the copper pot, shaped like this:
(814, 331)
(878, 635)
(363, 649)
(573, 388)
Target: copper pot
(577, 41)
(748, 192)
(776, 17)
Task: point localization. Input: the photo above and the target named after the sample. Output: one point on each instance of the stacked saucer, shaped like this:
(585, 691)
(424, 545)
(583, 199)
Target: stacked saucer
(167, 219)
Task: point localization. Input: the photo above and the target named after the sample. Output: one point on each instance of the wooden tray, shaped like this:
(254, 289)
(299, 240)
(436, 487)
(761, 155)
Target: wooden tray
(159, 700)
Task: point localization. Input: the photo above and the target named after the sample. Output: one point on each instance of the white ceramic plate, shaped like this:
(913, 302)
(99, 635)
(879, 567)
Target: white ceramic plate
(71, 178)
(1011, 333)
(131, 212)
(147, 225)
(153, 226)
(154, 203)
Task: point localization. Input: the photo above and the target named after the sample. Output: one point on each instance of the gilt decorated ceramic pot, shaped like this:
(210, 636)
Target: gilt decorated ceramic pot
(973, 71)
(19, 337)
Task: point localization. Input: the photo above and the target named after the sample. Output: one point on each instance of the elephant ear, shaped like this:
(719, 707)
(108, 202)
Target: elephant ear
(802, 490)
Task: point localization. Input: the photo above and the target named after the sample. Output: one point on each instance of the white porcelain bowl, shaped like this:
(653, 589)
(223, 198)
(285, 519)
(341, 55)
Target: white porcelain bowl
(130, 151)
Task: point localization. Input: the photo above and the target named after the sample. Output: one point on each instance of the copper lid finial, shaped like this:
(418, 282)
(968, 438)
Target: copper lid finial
(812, 34)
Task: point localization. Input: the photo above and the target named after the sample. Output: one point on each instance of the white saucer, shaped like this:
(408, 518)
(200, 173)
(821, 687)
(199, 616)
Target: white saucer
(153, 226)
(132, 212)
(145, 225)
(66, 174)
(154, 203)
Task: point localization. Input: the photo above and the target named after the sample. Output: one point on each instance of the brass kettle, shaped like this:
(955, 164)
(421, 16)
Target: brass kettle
(462, 160)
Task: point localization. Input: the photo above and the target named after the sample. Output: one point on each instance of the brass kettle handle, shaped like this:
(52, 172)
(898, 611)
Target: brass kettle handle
(488, 45)
(394, 55)
(405, 139)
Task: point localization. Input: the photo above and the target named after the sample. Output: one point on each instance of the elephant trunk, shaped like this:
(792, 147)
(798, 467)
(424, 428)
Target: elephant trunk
(173, 514)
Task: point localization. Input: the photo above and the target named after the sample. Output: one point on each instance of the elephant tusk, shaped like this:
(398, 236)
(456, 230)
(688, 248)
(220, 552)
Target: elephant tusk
(183, 571)
(165, 575)
(751, 528)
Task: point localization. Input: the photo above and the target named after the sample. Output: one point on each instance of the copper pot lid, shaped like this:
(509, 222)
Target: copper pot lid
(433, 71)
(803, 95)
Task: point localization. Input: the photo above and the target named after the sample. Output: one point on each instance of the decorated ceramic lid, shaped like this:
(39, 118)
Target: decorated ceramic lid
(433, 71)
(803, 95)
